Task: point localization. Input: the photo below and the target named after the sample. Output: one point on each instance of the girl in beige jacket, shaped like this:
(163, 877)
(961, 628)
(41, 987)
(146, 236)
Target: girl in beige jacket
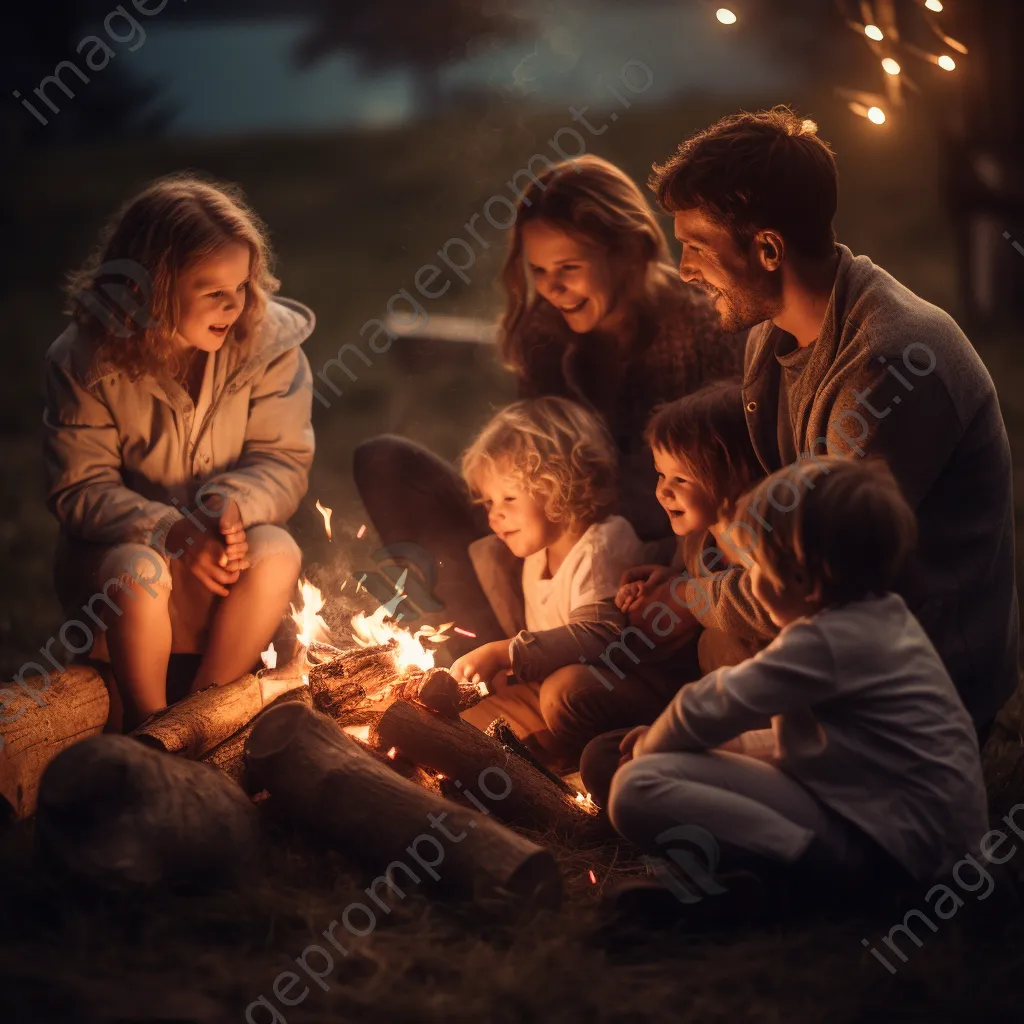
(178, 441)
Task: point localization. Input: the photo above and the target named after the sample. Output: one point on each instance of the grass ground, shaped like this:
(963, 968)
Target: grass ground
(352, 218)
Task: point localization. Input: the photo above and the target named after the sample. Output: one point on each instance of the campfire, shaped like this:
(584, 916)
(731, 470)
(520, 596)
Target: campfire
(373, 732)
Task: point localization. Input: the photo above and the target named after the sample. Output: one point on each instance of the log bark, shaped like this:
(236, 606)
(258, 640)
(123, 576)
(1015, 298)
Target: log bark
(229, 756)
(73, 706)
(479, 765)
(194, 726)
(119, 814)
(357, 684)
(330, 785)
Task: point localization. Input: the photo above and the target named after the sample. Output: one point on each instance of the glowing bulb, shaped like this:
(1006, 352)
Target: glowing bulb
(934, 5)
(876, 115)
(946, 62)
(873, 32)
(890, 66)
(725, 16)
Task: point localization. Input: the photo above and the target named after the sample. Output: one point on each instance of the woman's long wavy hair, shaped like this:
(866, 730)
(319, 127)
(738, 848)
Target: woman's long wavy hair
(125, 297)
(594, 201)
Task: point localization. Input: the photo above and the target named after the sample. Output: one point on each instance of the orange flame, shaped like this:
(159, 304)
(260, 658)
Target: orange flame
(371, 630)
(593, 877)
(585, 803)
(361, 532)
(307, 618)
(358, 732)
(326, 513)
(393, 753)
(269, 657)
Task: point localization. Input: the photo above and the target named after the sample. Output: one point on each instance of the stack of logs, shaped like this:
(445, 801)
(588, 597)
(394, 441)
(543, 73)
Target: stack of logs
(170, 803)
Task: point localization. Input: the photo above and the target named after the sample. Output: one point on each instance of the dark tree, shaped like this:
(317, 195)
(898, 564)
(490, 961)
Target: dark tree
(418, 37)
(114, 102)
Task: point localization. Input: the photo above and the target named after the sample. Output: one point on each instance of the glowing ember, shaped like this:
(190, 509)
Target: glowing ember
(482, 689)
(585, 803)
(434, 635)
(464, 632)
(593, 877)
(307, 619)
(392, 753)
(361, 532)
(269, 656)
(358, 732)
(326, 513)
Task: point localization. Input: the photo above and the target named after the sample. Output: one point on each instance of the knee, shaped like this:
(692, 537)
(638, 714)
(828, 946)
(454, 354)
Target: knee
(632, 789)
(129, 571)
(272, 549)
(383, 458)
(598, 764)
(560, 699)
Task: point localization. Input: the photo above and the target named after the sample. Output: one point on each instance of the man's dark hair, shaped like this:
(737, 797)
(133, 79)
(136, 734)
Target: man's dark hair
(750, 172)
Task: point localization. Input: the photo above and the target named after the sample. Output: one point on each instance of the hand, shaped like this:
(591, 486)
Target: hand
(637, 583)
(236, 547)
(629, 747)
(482, 664)
(203, 554)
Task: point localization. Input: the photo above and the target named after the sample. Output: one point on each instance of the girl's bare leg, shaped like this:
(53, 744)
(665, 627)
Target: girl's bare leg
(246, 620)
(139, 643)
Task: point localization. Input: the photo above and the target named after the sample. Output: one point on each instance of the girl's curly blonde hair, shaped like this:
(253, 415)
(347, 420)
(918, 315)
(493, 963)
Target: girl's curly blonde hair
(125, 297)
(558, 452)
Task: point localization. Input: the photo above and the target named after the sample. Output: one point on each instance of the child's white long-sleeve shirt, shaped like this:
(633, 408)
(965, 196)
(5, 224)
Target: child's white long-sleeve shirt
(865, 716)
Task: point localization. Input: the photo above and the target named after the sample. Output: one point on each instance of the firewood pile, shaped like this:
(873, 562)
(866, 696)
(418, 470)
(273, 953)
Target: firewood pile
(352, 746)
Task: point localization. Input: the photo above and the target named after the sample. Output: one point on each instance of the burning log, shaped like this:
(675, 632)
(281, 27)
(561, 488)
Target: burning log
(201, 721)
(329, 784)
(355, 684)
(74, 705)
(117, 813)
(468, 756)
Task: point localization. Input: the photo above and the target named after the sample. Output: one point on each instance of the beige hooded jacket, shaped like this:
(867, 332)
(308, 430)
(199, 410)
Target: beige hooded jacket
(118, 452)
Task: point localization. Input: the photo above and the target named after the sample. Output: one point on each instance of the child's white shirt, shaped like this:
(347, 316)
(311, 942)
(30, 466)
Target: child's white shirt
(589, 574)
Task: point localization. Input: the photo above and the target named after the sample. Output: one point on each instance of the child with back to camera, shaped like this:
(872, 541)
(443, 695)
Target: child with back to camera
(544, 469)
(876, 773)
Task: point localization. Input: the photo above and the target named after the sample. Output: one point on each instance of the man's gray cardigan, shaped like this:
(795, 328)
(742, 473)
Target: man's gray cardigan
(891, 375)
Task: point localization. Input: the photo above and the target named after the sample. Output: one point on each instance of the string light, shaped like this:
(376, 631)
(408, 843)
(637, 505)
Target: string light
(725, 16)
(888, 44)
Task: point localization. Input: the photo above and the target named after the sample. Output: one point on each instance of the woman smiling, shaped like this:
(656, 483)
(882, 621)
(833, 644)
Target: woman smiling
(595, 312)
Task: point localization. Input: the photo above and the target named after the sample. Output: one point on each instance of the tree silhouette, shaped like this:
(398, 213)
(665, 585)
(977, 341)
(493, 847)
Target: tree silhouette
(415, 36)
(113, 103)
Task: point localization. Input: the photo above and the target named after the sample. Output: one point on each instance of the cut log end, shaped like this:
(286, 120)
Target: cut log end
(275, 730)
(440, 692)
